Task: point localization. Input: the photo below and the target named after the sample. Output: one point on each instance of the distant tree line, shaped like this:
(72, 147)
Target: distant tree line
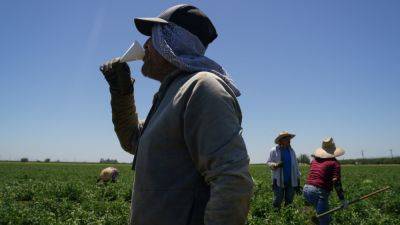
(108, 160)
(24, 159)
(303, 158)
(394, 160)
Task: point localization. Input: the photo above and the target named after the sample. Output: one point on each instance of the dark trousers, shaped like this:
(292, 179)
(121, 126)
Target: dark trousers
(282, 193)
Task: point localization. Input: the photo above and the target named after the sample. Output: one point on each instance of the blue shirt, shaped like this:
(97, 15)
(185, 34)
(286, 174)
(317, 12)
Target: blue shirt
(287, 162)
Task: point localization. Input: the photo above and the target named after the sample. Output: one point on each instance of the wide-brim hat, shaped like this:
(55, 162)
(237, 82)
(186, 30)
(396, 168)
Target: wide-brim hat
(186, 16)
(328, 150)
(283, 134)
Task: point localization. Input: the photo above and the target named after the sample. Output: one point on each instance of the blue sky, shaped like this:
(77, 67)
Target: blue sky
(315, 68)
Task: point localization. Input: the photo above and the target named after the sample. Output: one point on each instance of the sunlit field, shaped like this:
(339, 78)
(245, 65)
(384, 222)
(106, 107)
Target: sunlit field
(67, 193)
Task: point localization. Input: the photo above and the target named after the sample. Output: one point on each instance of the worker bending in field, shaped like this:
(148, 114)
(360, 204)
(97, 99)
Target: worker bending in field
(108, 174)
(324, 175)
(285, 170)
(192, 166)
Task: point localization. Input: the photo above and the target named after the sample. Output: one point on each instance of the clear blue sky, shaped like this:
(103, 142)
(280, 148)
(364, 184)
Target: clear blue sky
(315, 68)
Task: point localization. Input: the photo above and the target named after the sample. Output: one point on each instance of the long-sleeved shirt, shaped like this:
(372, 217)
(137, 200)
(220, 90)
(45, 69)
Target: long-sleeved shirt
(323, 172)
(277, 173)
(191, 160)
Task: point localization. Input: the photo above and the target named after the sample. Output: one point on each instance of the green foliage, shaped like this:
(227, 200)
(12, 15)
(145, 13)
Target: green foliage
(62, 193)
(67, 193)
(357, 181)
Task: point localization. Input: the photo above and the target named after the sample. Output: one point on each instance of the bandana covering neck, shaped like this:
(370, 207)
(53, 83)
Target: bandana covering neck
(185, 51)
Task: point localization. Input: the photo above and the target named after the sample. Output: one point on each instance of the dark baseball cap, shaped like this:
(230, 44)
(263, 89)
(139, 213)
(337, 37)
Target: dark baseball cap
(186, 16)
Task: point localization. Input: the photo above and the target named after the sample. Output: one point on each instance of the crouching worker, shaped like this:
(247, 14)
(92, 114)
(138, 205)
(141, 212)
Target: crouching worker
(324, 175)
(285, 170)
(108, 174)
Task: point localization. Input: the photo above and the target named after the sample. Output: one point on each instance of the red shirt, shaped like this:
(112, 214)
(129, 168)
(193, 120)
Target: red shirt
(322, 172)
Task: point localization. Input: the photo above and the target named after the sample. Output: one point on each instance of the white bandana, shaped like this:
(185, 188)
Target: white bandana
(185, 51)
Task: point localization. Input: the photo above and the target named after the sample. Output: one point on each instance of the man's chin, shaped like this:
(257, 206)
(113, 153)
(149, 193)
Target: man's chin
(143, 70)
(147, 73)
(151, 72)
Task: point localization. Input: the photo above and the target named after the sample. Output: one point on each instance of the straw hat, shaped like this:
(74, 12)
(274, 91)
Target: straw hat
(283, 135)
(328, 149)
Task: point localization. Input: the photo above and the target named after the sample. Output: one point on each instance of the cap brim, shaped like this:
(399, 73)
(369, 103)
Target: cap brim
(144, 25)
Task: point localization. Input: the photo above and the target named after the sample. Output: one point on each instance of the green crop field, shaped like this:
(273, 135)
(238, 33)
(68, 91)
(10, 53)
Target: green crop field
(66, 193)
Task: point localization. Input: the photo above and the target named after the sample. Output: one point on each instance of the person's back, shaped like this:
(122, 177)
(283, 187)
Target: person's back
(324, 175)
(323, 172)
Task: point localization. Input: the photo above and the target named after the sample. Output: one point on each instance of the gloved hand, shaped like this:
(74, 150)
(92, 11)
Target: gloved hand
(279, 164)
(298, 190)
(118, 76)
(345, 204)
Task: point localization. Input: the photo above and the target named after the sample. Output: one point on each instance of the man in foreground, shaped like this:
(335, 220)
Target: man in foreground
(191, 160)
(285, 170)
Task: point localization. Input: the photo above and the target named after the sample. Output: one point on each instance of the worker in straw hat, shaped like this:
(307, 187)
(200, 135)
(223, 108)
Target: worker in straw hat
(324, 175)
(285, 170)
(191, 161)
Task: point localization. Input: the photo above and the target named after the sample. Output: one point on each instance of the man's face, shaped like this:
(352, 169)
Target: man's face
(155, 66)
(285, 141)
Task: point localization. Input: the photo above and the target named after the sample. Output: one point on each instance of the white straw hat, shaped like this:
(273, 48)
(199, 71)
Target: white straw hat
(328, 149)
(283, 134)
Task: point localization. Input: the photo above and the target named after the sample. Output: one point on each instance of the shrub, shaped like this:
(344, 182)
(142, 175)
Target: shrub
(24, 160)
(303, 158)
(108, 160)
